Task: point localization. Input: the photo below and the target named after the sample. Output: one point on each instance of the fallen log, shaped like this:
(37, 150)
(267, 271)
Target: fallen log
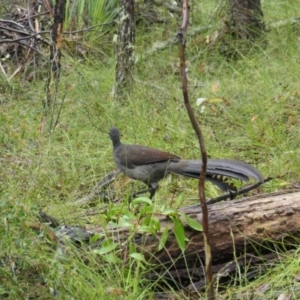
(250, 224)
(243, 232)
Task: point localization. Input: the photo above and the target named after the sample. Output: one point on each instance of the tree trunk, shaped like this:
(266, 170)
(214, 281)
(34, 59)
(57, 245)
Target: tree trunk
(246, 26)
(55, 67)
(125, 46)
(247, 19)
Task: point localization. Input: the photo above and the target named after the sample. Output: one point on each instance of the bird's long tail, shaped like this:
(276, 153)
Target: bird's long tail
(217, 169)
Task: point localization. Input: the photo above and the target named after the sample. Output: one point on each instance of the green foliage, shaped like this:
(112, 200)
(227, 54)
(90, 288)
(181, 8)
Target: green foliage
(81, 14)
(139, 217)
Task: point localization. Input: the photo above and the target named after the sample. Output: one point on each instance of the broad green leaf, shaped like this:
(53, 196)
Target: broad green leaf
(106, 247)
(155, 224)
(140, 200)
(169, 212)
(125, 221)
(143, 229)
(179, 233)
(96, 237)
(179, 199)
(132, 248)
(111, 258)
(163, 239)
(193, 223)
(147, 209)
(140, 259)
(146, 220)
(129, 214)
(138, 256)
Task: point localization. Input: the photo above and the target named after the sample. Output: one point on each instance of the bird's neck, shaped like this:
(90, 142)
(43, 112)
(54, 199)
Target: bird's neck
(117, 144)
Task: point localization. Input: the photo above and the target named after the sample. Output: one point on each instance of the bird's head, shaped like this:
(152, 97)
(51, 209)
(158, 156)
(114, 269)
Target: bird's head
(114, 135)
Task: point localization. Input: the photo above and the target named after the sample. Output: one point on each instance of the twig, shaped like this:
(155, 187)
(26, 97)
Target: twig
(3, 71)
(28, 16)
(88, 28)
(37, 15)
(231, 195)
(60, 109)
(15, 73)
(100, 185)
(13, 30)
(12, 22)
(24, 37)
(201, 184)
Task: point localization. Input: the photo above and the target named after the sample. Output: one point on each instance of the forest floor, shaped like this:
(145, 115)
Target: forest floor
(251, 113)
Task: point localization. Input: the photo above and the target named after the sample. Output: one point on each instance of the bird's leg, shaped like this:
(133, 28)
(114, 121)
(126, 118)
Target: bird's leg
(152, 189)
(139, 192)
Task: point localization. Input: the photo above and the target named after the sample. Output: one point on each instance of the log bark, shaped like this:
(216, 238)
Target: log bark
(236, 227)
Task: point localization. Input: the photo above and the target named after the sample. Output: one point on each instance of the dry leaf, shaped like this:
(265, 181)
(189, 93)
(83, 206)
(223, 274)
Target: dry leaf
(115, 291)
(215, 100)
(215, 86)
(254, 118)
(284, 296)
(200, 101)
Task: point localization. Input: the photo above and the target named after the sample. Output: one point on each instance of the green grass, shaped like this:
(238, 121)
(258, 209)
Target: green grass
(257, 123)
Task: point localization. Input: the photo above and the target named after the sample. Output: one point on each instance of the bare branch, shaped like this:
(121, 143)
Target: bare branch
(201, 185)
(243, 190)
